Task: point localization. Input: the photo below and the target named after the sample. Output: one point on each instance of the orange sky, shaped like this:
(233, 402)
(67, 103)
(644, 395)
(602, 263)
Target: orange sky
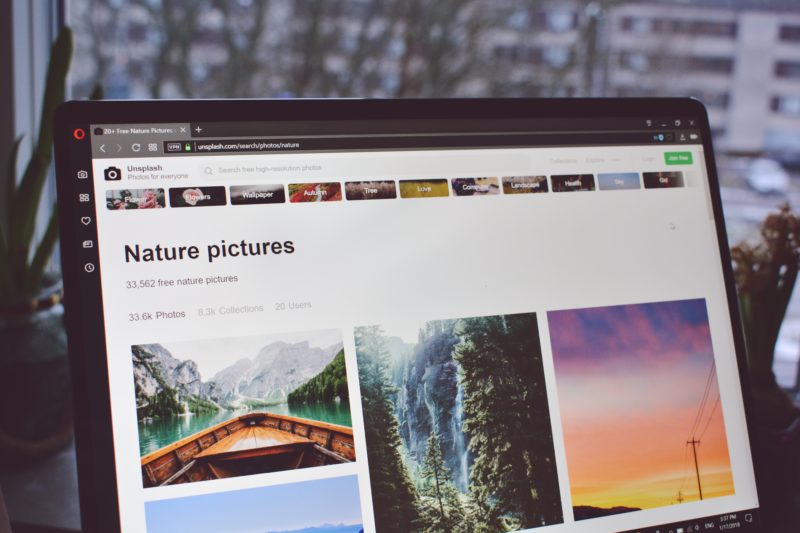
(630, 380)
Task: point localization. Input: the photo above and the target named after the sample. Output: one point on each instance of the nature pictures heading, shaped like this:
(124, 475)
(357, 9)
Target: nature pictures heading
(148, 254)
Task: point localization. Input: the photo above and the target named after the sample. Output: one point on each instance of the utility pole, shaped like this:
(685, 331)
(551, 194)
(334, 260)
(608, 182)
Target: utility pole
(680, 497)
(694, 442)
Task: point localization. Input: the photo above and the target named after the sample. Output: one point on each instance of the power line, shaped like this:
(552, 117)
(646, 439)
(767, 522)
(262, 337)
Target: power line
(704, 400)
(691, 440)
(710, 417)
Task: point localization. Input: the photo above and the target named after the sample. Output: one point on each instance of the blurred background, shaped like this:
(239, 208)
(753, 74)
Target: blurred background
(741, 58)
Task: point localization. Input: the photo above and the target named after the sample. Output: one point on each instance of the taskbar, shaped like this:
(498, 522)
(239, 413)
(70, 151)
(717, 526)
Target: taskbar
(745, 521)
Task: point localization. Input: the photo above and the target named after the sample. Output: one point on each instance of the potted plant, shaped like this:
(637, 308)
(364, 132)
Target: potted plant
(765, 273)
(35, 411)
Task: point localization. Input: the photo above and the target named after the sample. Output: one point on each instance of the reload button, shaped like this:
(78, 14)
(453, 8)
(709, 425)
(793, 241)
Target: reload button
(678, 158)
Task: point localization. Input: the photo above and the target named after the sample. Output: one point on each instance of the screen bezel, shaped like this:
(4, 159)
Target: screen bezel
(86, 337)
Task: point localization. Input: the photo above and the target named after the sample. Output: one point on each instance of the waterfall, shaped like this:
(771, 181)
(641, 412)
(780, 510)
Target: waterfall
(429, 404)
(461, 477)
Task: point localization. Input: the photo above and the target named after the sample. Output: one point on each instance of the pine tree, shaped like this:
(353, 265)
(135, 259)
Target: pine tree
(393, 496)
(441, 505)
(506, 416)
(325, 386)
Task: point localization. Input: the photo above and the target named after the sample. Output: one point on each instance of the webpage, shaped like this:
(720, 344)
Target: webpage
(419, 340)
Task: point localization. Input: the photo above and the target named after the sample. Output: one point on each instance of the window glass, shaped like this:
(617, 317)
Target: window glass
(474, 48)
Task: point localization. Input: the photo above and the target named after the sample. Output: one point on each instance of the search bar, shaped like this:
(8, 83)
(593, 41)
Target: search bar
(255, 168)
(340, 166)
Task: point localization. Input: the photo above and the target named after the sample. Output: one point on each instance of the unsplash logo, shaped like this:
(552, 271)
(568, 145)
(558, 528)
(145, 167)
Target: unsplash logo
(112, 174)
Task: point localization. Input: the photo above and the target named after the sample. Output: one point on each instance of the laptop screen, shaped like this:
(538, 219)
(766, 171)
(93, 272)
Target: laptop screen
(413, 325)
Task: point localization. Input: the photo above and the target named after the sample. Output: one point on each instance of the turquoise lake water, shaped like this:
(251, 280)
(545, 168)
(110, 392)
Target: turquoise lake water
(163, 431)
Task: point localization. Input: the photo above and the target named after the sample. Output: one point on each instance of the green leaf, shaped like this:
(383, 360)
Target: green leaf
(43, 253)
(11, 187)
(26, 202)
(11, 179)
(5, 269)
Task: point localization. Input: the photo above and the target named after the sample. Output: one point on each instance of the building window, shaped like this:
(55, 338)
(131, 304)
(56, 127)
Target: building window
(637, 24)
(642, 62)
(559, 20)
(556, 56)
(699, 28)
(786, 105)
(790, 33)
(718, 65)
(635, 61)
(787, 69)
(519, 20)
(704, 28)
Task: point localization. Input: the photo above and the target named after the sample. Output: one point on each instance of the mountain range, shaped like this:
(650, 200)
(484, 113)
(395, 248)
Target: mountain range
(326, 528)
(276, 370)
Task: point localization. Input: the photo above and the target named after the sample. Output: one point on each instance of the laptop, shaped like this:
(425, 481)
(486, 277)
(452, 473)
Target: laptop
(402, 315)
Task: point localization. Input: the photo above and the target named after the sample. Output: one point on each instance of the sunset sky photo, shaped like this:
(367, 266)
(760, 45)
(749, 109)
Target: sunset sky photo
(631, 381)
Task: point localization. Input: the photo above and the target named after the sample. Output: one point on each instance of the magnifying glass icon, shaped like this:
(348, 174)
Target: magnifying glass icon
(208, 171)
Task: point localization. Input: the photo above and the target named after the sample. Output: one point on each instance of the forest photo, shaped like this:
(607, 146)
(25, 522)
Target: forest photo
(457, 425)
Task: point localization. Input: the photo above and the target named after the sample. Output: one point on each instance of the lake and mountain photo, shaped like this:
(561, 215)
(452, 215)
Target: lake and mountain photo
(640, 406)
(457, 425)
(211, 409)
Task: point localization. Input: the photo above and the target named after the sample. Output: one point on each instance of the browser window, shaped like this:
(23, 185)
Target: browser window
(416, 328)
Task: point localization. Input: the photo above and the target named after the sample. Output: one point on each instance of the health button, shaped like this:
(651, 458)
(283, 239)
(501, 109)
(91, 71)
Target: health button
(678, 158)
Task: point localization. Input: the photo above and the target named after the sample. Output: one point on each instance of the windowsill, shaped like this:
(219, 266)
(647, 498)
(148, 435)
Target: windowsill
(44, 495)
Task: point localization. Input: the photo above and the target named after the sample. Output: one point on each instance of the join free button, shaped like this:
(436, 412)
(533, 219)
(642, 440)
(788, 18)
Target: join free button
(678, 158)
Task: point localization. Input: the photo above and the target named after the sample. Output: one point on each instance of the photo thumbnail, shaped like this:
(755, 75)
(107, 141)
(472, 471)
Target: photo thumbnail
(269, 193)
(573, 182)
(196, 196)
(124, 199)
(457, 425)
(475, 186)
(640, 406)
(423, 188)
(370, 190)
(321, 506)
(618, 181)
(315, 192)
(221, 408)
(663, 180)
(524, 184)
